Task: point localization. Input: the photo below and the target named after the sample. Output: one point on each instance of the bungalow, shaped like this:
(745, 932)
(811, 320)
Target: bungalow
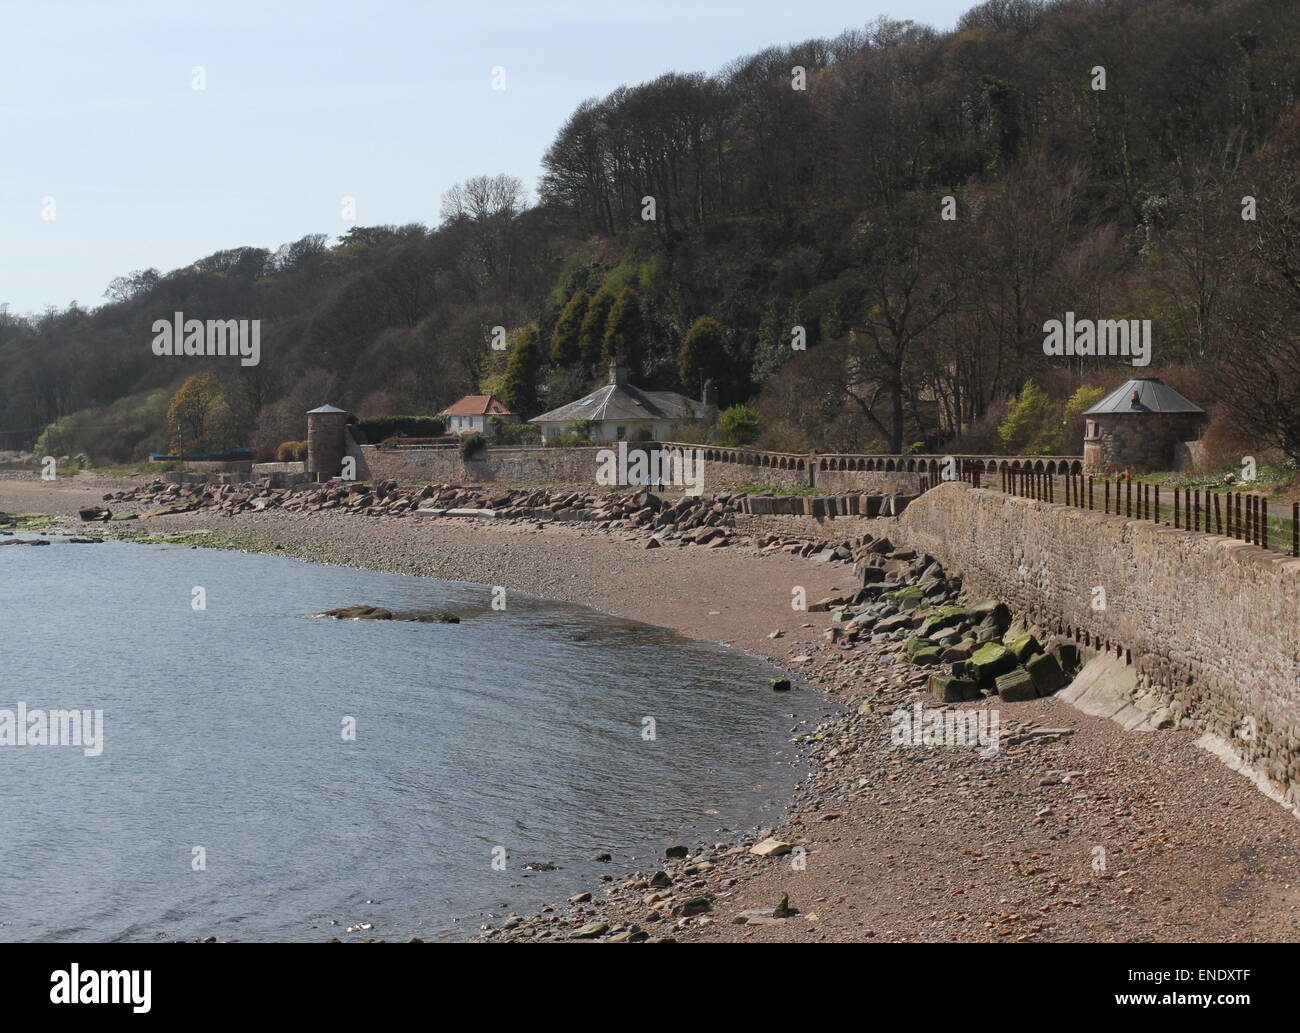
(471, 415)
(618, 410)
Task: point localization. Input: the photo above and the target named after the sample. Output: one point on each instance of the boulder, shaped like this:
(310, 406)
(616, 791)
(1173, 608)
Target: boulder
(359, 613)
(779, 684)
(1024, 646)
(771, 848)
(988, 662)
(1016, 686)
(952, 690)
(963, 650)
(1065, 651)
(992, 611)
(1046, 673)
(437, 617)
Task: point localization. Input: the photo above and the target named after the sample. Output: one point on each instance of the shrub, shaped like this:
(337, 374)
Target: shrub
(515, 433)
(472, 446)
(291, 452)
(739, 425)
(379, 428)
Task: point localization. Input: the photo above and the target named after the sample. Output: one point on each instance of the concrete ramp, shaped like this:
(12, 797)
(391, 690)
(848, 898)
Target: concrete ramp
(1108, 687)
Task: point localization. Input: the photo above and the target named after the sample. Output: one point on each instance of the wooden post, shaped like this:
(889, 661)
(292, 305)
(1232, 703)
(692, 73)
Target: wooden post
(1176, 500)
(1157, 516)
(1107, 494)
(1090, 491)
(1128, 496)
(1263, 521)
(1295, 528)
(1218, 515)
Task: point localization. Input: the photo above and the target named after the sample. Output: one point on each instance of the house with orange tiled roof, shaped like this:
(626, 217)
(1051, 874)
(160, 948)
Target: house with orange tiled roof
(474, 414)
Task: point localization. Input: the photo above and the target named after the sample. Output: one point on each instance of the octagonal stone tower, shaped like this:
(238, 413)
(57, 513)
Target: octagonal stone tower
(1138, 427)
(326, 441)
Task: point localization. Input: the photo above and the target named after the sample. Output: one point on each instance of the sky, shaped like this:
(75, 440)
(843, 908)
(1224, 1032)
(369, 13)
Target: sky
(113, 161)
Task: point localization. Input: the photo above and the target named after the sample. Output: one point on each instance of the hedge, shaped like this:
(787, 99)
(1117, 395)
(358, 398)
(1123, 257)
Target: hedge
(374, 429)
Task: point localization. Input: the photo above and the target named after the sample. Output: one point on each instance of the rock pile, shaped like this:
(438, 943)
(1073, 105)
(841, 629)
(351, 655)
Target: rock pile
(976, 648)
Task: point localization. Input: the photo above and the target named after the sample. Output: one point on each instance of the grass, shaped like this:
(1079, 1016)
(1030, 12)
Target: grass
(1279, 528)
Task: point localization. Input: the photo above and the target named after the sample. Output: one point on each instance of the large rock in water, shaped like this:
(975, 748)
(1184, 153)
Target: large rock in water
(359, 613)
(437, 617)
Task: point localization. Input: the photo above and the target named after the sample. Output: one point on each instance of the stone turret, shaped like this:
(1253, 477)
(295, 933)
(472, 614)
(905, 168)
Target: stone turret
(326, 441)
(1140, 427)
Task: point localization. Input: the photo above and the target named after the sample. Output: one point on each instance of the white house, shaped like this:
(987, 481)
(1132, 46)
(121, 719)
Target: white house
(618, 410)
(471, 415)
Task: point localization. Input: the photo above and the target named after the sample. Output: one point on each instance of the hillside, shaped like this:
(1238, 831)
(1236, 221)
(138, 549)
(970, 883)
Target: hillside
(1171, 194)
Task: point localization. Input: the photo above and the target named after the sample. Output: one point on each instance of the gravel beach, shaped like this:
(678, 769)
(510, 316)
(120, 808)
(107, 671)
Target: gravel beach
(1074, 831)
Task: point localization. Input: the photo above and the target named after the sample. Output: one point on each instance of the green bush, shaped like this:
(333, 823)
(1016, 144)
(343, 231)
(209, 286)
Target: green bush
(515, 433)
(472, 446)
(291, 452)
(374, 429)
(739, 425)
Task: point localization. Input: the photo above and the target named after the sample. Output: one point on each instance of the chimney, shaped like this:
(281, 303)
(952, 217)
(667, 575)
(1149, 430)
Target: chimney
(617, 374)
(709, 396)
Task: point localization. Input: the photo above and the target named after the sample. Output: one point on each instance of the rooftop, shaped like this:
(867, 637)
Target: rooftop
(476, 405)
(626, 402)
(1152, 395)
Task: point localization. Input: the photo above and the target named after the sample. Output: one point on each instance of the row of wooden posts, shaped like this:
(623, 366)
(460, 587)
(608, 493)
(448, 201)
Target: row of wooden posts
(1236, 514)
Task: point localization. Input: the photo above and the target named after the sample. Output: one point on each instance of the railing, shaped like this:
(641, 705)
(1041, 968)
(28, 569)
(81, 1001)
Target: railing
(1242, 515)
(929, 464)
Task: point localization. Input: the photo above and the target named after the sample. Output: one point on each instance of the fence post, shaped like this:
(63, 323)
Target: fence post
(1128, 496)
(1157, 516)
(1107, 500)
(1263, 522)
(1176, 513)
(1295, 528)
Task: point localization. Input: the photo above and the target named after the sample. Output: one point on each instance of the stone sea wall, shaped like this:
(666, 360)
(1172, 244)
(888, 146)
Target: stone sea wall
(1210, 624)
(500, 465)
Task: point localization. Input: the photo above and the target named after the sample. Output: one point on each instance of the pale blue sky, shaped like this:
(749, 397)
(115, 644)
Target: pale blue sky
(306, 102)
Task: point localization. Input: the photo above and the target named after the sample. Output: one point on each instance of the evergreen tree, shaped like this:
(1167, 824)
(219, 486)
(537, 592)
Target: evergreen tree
(591, 338)
(624, 330)
(566, 346)
(703, 355)
(519, 387)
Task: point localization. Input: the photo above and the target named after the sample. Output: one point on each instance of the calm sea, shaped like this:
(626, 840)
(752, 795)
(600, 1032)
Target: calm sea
(229, 799)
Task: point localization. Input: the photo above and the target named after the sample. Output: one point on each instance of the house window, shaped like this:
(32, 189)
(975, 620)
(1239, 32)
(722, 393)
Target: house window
(1090, 433)
(622, 433)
